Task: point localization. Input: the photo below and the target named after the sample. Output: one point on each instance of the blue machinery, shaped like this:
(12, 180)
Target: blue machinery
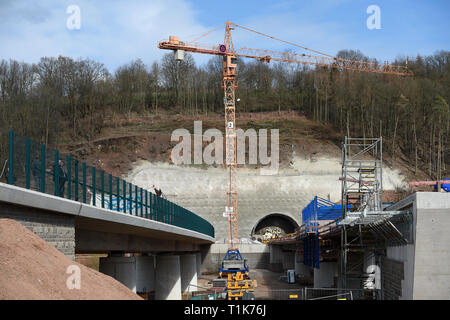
(318, 209)
(233, 262)
(235, 269)
(444, 186)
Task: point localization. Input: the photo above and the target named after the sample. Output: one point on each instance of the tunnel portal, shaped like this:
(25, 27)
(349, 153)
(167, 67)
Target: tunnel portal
(273, 225)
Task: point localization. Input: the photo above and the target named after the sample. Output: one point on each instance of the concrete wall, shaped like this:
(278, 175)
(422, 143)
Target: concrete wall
(88, 241)
(56, 229)
(393, 280)
(399, 283)
(288, 260)
(324, 276)
(203, 190)
(402, 278)
(257, 197)
(432, 240)
(276, 254)
(426, 261)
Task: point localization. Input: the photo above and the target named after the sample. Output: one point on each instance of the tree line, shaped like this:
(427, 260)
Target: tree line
(64, 97)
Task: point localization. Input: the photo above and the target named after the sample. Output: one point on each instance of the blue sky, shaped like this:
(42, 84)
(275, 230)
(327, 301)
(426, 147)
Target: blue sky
(115, 32)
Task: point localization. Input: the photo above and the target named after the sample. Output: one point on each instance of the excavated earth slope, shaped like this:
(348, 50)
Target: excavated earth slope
(30, 269)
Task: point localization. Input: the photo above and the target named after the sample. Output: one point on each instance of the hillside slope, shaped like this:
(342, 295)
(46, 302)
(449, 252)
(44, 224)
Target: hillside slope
(124, 141)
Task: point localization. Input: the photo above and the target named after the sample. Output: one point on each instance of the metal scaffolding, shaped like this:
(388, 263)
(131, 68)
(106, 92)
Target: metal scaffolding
(362, 192)
(362, 175)
(358, 235)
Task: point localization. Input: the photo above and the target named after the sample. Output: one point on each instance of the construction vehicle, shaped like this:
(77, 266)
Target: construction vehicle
(239, 288)
(235, 286)
(233, 263)
(234, 270)
(227, 50)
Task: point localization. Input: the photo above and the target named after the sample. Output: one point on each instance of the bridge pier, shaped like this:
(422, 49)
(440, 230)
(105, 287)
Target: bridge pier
(324, 277)
(198, 261)
(276, 258)
(168, 277)
(188, 269)
(136, 272)
(123, 269)
(288, 260)
(145, 274)
(301, 269)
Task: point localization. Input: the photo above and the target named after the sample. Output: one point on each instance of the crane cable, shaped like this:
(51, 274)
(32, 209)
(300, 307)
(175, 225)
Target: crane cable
(205, 34)
(319, 52)
(290, 43)
(293, 44)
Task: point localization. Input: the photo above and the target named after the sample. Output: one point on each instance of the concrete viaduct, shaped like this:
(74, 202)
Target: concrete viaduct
(169, 257)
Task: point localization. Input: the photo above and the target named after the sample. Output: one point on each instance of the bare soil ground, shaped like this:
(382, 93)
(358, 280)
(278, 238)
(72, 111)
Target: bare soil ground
(124, 141)
(32, 269)
(270, 285)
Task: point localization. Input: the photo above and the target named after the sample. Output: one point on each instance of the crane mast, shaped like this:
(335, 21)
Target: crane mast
(229, 87)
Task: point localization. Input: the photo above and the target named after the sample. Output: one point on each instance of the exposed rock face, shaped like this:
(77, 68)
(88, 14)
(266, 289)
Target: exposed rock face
(203, 190)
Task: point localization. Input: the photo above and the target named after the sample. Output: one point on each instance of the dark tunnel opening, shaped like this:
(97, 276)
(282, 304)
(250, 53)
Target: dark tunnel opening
(275, 223)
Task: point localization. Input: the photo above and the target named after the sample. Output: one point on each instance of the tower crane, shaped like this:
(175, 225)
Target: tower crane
(229, 85)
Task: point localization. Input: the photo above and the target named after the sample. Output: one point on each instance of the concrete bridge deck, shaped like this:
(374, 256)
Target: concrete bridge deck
(168, 259)
(95, 229)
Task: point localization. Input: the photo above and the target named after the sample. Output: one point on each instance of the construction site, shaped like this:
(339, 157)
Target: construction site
(359, 242)
(333, 221)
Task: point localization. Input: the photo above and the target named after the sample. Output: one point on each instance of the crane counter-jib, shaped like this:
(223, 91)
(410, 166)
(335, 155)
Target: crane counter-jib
(170, 46)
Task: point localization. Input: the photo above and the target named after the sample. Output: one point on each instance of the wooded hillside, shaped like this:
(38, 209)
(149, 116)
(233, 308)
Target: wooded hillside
(61, 99)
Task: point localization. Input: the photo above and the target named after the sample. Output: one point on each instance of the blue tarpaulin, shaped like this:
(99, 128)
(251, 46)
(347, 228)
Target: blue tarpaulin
(317, 209)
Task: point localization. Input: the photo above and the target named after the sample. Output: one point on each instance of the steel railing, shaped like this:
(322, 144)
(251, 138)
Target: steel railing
(34, 166)
(317, 294)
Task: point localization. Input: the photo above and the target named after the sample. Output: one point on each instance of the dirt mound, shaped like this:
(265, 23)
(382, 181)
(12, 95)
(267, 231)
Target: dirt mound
(30, 268)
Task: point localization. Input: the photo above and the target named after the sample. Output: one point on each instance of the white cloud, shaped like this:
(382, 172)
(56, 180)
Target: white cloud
(112, 32)
(115, 32)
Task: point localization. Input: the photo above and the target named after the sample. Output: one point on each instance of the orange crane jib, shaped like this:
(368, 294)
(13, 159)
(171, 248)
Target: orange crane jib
(263, 55)
(289, 57)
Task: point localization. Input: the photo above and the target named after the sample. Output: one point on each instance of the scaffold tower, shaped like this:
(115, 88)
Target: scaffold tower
(362, 179)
